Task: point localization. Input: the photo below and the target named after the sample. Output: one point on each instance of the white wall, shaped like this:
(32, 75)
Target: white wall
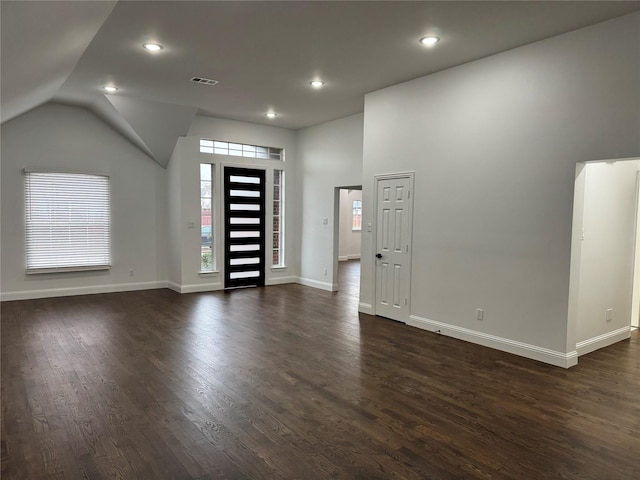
(494, 145)
(349, 239)
(330, 155)
(183, 184)
(174, 218)
(604, 243)
(73, 139)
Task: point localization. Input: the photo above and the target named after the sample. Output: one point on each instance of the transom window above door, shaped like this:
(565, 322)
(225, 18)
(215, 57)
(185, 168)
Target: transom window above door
(241, 150)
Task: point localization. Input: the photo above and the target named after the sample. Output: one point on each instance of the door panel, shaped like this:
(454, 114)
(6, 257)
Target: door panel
(393, 247)
(244, 199)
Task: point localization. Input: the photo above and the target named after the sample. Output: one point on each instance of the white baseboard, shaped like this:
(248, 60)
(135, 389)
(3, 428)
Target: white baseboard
(366, 308)
(280, 280)
(604, 340)
(315, 284)
(344, 258)
(87, 290)
(559, 359)
(198, 287)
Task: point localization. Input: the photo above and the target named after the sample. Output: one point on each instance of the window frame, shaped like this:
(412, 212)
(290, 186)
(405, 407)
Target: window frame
(212, 268)
(281, 219)
(242, 150)
(354, 215)
(31, 240)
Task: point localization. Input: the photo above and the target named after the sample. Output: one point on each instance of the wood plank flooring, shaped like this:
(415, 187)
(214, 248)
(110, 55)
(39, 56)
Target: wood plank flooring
(289, 382)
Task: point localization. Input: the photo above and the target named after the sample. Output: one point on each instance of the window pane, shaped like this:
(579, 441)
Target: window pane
(242, 234)
(243, 179)
(205, 189)
(245, 261)
(240, 150)
(205, 171)
(244, 193)
(244, 207)
(251, 274)
(278, 213)
(244, 248)
(244, 221)
(207, 259)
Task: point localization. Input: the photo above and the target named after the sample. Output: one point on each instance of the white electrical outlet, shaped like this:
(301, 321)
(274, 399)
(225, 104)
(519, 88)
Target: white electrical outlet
(480, 314)
(131, 273)
(324, 272)
(609, 315)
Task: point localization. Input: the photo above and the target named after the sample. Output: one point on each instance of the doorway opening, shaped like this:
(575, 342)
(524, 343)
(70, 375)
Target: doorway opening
(347, 240)
(601, 293)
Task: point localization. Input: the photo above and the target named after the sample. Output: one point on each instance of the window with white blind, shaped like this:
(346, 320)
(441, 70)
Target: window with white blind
(240, 150)
(67, 218)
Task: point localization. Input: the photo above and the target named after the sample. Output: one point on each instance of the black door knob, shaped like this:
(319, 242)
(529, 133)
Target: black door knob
(378, 255)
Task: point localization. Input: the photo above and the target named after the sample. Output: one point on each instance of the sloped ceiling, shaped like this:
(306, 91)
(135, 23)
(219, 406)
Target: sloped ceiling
(158, 124)
(41, 43)
(263, 54)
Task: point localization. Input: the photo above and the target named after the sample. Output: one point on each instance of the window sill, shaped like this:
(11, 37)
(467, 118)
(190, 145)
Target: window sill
(213, 273)
(278, 268)
(91, 268)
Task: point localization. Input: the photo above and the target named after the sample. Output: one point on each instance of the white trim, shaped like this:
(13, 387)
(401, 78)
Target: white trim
(207, 274)
(344, 258)
(63, 170)
(604, 340)
(88, 268)
(315, 284)
(534, 352)
(366, 308)
(88, 290)
(173, 286)
(280, 280)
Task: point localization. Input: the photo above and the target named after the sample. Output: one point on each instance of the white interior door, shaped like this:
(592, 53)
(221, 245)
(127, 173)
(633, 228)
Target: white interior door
(393, 247)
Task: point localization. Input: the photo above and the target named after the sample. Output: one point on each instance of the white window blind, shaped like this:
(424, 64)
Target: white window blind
(67, 222)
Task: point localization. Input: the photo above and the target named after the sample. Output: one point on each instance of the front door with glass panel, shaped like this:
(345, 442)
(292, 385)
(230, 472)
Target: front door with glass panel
(244, 251)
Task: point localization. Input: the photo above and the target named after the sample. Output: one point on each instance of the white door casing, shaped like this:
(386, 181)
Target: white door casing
(394, 215)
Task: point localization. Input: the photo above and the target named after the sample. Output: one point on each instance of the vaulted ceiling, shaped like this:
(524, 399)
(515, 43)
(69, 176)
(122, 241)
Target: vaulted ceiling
(264, 54)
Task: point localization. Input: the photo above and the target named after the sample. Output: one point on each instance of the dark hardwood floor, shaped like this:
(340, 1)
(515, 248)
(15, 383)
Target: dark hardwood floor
(289, 382)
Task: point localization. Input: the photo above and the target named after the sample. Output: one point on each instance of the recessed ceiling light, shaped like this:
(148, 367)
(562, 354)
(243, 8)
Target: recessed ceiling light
(317, 83)
(272, 115)
(110, 88)
(429, 41)
(152, 47)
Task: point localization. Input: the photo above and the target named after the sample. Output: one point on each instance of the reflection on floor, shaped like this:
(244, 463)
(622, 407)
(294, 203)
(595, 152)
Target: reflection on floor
(349, 278)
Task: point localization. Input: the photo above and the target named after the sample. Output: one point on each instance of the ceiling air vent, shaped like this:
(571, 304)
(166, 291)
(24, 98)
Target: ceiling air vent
(205, 81)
